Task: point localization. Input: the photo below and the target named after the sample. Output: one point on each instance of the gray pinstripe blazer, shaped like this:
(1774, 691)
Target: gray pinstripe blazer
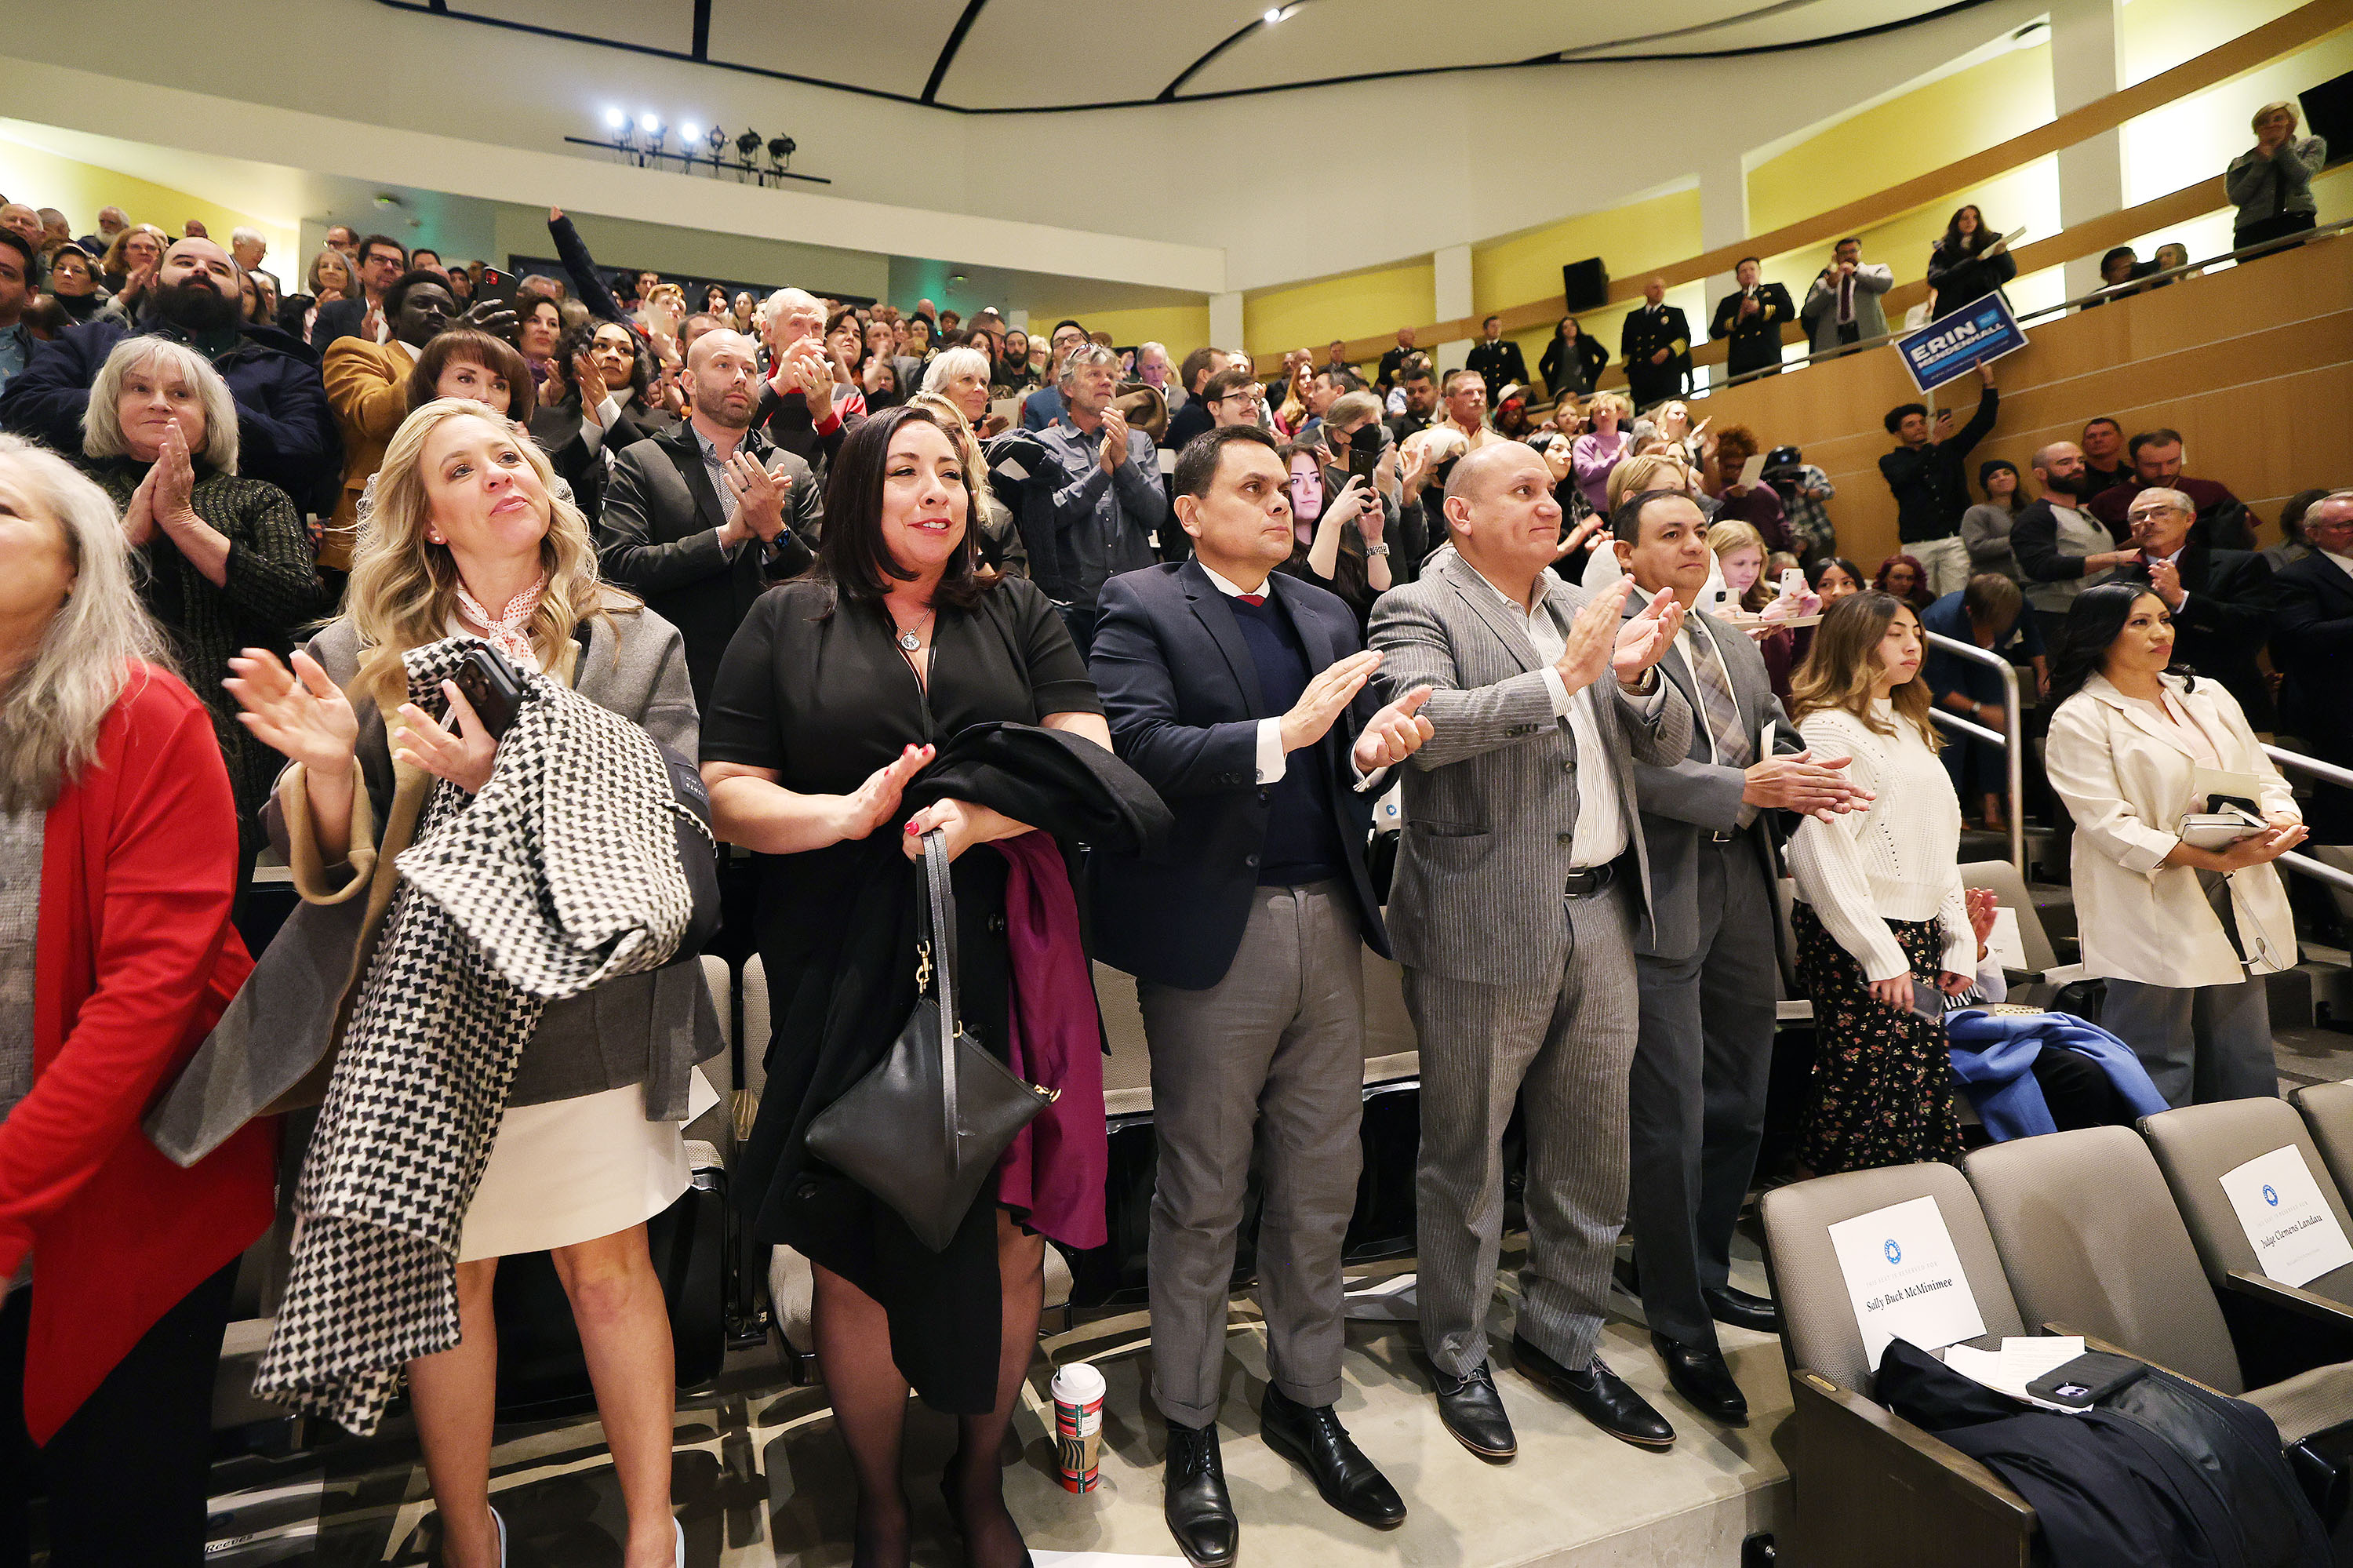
(1491, 797)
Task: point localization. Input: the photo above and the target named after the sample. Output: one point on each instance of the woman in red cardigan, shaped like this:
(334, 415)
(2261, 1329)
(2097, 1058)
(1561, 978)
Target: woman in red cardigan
(118, 852)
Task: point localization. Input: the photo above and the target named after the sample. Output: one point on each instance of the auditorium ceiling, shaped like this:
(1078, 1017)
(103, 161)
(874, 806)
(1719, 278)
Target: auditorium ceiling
(1028, 55)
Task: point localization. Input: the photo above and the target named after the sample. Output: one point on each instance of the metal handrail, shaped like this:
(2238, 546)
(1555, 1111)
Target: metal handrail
(2104, 293)
(2312, 765)
(2012, 741)
(2318, 871)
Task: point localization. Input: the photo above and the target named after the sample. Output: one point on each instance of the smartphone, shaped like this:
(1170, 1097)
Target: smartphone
(1943, 413)
(1793, 582)
(2088, 1379)
(493, 687)
(496, 286)
(1364, 456)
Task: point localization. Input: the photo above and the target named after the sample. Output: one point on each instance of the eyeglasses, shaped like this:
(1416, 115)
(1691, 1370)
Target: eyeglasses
(1252, 395)
(2144, 513)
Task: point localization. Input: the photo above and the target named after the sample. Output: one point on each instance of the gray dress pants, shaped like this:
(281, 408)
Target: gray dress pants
(1271, 1060)
(1562, 1051)
(2200, 1043)
(1698, 1097)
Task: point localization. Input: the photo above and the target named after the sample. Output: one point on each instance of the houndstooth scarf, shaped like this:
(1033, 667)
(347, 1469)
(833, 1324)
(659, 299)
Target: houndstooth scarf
(561, 874)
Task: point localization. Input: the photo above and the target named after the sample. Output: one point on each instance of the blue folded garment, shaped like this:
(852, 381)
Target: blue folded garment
(1993, 1060)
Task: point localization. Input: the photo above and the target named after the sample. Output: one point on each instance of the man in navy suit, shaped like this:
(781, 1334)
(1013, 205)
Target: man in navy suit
(1240, 694)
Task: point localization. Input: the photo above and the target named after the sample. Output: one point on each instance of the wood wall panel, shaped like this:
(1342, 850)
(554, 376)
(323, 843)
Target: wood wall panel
(2254, 364)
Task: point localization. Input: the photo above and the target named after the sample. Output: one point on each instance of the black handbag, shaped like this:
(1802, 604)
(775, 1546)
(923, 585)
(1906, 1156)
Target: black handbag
(923, 1129)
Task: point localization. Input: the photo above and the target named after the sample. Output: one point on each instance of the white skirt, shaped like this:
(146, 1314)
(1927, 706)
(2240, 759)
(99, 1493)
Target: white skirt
(572, 1171)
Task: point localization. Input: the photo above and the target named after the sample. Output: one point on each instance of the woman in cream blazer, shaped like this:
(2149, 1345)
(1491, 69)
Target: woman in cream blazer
(2183, 936)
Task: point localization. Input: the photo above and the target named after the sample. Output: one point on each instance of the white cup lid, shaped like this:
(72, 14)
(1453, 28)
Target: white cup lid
(1078, 1384)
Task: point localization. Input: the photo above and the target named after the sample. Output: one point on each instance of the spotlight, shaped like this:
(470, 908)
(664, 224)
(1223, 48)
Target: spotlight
(652, 128)
(748, 145)
(780, 148)
(615, 119)
(718, 143)
(688, 132)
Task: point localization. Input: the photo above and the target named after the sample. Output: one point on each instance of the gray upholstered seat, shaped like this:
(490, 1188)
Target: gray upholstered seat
(2328, 1111)
(1819, 1330)
(2090, 1236)
(2197, 1145)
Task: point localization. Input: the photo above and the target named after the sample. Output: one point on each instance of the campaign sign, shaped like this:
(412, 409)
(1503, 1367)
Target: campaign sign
(2294, 1232)
(1904, 1279)
(1979, 333)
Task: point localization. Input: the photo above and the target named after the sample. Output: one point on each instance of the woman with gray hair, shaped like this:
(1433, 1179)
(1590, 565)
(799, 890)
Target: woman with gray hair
(226, 561)
(118, 848)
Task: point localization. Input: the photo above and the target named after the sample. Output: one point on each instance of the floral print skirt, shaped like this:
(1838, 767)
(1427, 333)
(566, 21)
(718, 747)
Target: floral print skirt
(1883, 1089)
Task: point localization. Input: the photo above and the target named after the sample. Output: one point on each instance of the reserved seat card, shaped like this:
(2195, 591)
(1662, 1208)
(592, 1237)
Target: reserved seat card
(2294, 1232)
(1904, 1279)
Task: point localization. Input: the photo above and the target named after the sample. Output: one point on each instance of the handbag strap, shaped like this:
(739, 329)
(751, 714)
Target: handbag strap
(936, 925)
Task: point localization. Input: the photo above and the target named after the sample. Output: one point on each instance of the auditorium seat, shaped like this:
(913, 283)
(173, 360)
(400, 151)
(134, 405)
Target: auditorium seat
(2044, 974)
(1858, 1469)
(2091, 1243)
(2197, 1145)
(2328, 1111)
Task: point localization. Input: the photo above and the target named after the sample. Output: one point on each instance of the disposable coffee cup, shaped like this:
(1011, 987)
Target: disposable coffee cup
(1078, 1391)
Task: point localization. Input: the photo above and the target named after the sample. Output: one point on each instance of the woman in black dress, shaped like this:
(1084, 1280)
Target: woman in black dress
(856, 708)
(1969, 263)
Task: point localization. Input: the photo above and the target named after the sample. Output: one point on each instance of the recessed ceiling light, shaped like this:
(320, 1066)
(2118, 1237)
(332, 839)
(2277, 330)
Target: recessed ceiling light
(2029, 36)
(1274, 16)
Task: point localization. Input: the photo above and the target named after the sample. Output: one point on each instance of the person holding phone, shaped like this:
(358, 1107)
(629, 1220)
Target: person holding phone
(1338, 524)
(2182, 935)
(466, 540)
(1882, 928)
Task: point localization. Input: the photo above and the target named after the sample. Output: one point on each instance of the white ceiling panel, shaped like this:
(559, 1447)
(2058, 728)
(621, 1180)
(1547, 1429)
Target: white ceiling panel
(1023, 53)
(886, 45)
(643, 24)
(1061, 54)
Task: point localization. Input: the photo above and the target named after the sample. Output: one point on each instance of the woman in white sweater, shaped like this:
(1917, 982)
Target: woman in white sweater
(1880, 916)
(2183, 936)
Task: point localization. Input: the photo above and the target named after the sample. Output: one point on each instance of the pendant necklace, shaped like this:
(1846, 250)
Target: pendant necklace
(913, 641)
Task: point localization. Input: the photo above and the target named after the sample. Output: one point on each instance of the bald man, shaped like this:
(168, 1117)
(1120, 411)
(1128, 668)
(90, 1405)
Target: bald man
(1521, 885)
(796, 409)
(286, 433)
(702, 522)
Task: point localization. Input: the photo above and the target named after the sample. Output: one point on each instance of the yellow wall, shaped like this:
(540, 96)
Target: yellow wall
(1358, 305)
(1629, 239)
(76, 189)
(1181, 329)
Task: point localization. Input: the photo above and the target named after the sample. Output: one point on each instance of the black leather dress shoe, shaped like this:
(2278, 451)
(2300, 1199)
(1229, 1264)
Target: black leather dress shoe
(1472, 1414)
(1598, 1394)
(1313, 1439)
(1701, 1377)
(1742, 1310)
(1193, 1500)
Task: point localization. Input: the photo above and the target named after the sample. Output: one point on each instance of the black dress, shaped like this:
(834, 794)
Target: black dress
(826, 699)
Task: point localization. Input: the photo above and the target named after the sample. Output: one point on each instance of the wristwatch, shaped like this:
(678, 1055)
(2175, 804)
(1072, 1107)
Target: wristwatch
(1376, 549)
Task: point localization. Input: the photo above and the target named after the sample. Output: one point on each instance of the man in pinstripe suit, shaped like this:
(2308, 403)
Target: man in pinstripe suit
(1520, 884)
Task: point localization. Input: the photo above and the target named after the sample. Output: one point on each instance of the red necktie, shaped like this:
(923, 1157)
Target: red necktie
(1252, 597)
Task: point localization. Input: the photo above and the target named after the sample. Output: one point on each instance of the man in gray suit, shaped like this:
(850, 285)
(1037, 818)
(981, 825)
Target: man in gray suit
(1842, 306)
(1519, 884)
(1708, 967)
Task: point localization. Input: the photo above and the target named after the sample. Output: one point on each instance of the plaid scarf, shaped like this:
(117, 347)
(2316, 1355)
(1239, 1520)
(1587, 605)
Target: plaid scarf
(562, 874)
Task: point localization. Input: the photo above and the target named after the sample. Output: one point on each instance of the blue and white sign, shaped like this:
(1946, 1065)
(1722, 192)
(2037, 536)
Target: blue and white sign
(1904, 1279)
(1978, 333)
(2287, 1219)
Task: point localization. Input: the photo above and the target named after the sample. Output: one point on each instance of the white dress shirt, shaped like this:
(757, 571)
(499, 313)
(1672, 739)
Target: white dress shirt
(1598, 834)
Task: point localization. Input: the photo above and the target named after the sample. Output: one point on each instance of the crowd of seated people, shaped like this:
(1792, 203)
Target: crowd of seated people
(855, 559)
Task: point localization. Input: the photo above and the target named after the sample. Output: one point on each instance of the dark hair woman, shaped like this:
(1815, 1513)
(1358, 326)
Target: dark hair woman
(73, 282)
(465, 363)
(118, 857)
(595, 400)
(1969, 263)
(1572, 361)
(900, 690)
(1880, 911)
(1834, 577)
(2183, 936)
(1985, 528)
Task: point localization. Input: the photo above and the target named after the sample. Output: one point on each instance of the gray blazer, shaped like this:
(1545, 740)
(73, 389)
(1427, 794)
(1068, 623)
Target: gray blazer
(1486, 849)
(649, 1029)
(1696, 794)
(1819, 313)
